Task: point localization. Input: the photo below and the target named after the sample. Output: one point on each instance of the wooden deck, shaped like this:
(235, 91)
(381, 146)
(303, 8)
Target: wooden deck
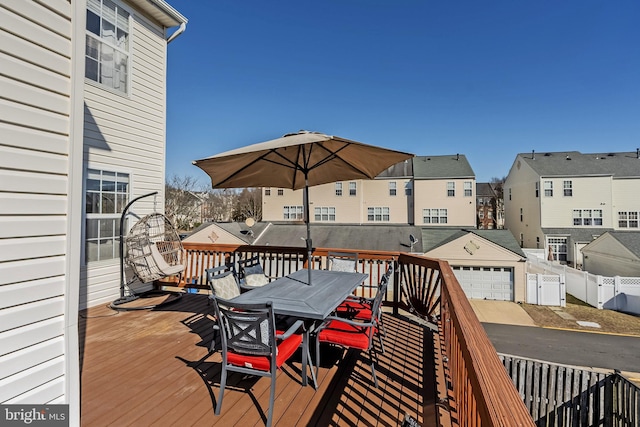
(152, 367)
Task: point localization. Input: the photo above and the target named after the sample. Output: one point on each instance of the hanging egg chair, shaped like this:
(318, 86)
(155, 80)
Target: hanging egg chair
(153, 250)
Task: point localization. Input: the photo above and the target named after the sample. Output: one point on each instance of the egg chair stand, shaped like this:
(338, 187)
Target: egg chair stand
(153, 251)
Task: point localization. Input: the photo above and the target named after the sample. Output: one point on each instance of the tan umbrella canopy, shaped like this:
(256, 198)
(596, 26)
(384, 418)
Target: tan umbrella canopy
(298, 161)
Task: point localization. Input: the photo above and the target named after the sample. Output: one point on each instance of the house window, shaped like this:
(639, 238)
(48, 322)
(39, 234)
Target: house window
(325, 213)
(537, 189)
(522, 240)
(587, 217)
(392, 188)
(489, 214)
(558, 246)
(509, 193)
(467, 189)
(567, 187)
(521, 214)
(267, 191)
(451, 189)
(434, 216)
(107, 193)
(280, 192)
(293, 212)
(480, 201)
(107, 44)
(352, 188)
(481, 214)
(548, 188)
(338, 189)
(378, 214)
(628, 219)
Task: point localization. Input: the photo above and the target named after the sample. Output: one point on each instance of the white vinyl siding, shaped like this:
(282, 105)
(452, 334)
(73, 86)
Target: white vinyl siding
(35, 151)
(127, 134)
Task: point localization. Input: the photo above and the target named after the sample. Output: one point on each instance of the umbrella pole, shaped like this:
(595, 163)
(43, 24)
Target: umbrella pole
(307, 220)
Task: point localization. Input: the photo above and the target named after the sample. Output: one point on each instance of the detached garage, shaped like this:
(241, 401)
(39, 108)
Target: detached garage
(489, 264)
(494, 283)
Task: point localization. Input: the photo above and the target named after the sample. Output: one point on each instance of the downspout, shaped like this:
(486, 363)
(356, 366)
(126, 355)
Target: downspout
(176, 33)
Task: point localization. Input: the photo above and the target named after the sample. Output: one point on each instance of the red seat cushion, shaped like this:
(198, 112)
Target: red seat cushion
(263, 363)
(342, 333)
(354, 310)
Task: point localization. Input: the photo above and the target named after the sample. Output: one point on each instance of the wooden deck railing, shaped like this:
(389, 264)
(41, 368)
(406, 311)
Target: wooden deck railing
(470, 385)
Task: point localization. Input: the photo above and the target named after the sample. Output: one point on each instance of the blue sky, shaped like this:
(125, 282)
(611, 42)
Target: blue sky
(488, 79)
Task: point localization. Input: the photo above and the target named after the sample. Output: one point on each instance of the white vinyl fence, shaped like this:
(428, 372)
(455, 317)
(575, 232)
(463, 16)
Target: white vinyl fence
(546, 289)
(611, 293)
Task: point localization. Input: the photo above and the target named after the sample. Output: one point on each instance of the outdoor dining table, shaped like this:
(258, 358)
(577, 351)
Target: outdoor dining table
(291, 295)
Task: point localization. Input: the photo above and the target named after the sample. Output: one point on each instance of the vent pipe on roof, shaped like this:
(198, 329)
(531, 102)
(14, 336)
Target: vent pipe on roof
(533, 154)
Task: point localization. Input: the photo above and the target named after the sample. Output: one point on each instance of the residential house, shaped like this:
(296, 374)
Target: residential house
(561, 201)
(82, 126)
(614, 253)
(489, 264)
(486, 204)
(426, 190)
(444, 189)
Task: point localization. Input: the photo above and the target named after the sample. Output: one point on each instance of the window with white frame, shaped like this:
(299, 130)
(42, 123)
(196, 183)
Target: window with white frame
(490, 214)
(509, 193)
(323, 213)
(106, 195)
(480, 201)
(537, 189)
(267, 191)
(567, 187)
(548, 188)
(392, 188)
(451, 189)
(558, 247)
(293, 212)
(521, 214)
(434, 216)
(352, 188)
(587, 217)
(378, 214)
(481, 214)
(280, 192)
(107, 44)
(468, 189)
(628, 219)
(338, 189)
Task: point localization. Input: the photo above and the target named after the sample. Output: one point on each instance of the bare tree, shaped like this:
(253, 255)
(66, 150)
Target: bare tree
(183, 201)
(219, 205)
(248, 205)
(498, 185)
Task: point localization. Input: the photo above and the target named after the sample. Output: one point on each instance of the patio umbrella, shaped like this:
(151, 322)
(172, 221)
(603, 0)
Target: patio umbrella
(298, 161)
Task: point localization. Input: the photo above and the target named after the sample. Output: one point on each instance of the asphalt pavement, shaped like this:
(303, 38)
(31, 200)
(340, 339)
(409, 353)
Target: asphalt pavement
(586, 349)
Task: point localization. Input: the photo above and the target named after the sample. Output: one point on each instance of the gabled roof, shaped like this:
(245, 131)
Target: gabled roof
(628, 239)
(578, 234)
(346, 236)
(484, 189)
(437, 167)
(435, 237)
(574, 163)
(399, 170)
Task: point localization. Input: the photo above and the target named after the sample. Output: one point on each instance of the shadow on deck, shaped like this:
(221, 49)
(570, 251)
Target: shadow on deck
(153, 368)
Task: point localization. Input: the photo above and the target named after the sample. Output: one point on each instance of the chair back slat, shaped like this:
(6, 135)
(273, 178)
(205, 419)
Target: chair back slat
(247, 329)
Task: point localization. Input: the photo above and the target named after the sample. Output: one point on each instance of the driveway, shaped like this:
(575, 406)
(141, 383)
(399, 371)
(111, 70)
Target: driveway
(504, 312)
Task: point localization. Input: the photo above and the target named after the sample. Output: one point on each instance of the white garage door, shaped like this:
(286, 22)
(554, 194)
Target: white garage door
(494, 283)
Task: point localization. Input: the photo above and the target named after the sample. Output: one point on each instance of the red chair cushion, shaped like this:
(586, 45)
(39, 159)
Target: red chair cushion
(263, 363)
(347, 335)
(354, 310)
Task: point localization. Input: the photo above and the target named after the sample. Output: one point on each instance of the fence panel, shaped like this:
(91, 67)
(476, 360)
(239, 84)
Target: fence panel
(546, 289)
(558, 395)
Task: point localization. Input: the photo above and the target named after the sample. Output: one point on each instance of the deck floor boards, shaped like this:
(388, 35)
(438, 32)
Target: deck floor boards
(152, 367)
